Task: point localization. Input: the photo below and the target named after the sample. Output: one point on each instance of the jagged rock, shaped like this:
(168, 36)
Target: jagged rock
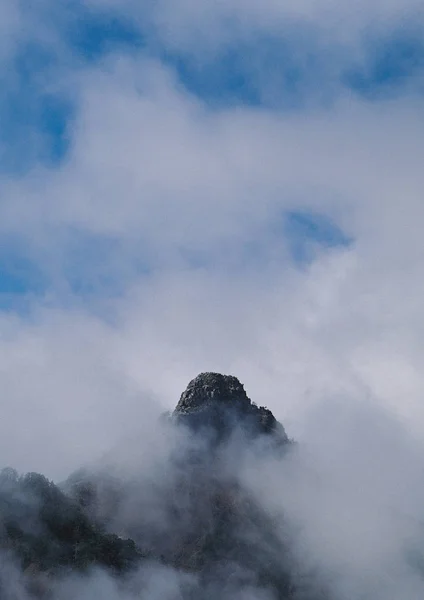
(220, 403)
(209, 388)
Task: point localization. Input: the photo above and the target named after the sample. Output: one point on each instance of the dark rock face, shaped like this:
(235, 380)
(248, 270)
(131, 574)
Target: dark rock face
(220, 403)
(212, 387)
(193, 514)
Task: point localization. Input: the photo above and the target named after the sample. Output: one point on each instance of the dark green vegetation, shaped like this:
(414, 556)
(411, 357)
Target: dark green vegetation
(48, 531)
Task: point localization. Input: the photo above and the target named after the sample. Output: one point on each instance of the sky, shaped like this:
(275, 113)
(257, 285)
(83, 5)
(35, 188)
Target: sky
(206, 186)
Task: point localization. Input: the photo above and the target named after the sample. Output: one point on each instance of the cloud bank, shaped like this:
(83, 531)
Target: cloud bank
(157, 242)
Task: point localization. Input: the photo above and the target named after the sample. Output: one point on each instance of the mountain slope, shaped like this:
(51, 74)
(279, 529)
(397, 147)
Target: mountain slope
(192, 515)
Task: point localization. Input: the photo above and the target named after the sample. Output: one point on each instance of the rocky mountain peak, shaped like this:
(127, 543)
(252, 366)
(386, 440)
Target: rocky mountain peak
(209, 388)
(220, 402)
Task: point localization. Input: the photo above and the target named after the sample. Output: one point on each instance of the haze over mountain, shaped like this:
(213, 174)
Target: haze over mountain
(193, 519)
(229, 186)
(225, 506)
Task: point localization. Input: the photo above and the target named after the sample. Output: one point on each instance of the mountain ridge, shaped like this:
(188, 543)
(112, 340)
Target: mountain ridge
(193, 517)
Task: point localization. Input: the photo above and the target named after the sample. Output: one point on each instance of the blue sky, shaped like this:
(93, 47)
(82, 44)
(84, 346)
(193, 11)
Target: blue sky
(199, 185)
(233, 186)
(294, 69)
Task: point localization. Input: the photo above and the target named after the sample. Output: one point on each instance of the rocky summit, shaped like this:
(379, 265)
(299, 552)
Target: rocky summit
(190, 522)
(220, 403)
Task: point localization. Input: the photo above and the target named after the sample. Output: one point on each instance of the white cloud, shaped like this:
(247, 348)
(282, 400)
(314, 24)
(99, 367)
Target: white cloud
(334, 349)
(162, 172)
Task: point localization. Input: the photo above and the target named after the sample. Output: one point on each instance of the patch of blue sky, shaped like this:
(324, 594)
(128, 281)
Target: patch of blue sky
(20, 277)
(34, 116)
(86, 266)
(308, 233)
(292, 237)
(92, 35)
(282, 72)
(392, 64)
(298, 69)
(35, 113)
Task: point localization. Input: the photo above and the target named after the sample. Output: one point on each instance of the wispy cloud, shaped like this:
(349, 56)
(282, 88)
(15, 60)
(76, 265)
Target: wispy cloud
(151, 159)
